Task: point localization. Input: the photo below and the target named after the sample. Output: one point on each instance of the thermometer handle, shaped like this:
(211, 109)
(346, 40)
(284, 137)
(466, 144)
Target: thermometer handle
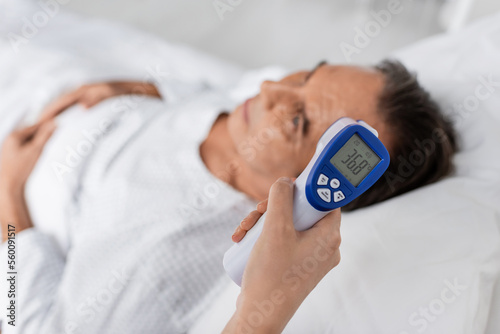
(304, 216)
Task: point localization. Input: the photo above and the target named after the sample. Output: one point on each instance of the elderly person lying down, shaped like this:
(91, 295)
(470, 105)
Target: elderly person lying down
(157, 199)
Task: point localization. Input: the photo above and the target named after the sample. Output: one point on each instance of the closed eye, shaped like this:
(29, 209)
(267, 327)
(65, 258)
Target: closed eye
(301, 120)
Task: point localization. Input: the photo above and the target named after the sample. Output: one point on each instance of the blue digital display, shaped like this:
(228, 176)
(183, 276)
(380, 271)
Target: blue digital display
(355, 160)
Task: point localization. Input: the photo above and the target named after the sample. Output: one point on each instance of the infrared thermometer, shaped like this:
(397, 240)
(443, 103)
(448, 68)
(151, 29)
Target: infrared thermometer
(349, 159)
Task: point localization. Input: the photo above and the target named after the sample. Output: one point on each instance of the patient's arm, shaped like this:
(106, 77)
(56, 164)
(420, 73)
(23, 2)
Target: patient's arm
(92, 94)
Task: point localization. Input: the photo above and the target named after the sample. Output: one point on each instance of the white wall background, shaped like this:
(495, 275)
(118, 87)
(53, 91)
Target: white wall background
(294, 33)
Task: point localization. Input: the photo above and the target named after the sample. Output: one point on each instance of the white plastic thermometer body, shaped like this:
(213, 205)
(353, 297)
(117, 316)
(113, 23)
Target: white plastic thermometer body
(304, 215)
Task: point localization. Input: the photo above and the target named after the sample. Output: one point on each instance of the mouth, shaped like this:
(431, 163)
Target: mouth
(245, 110)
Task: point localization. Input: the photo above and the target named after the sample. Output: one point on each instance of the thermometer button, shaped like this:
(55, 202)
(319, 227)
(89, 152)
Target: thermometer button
(325, 194)
(322, 180)
(335, 183)
(338, 196)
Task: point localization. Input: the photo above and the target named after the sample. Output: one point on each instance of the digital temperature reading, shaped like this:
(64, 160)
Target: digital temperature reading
(355, 160)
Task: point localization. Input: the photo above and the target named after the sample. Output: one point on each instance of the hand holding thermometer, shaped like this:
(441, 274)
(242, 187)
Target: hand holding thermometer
(349, 159)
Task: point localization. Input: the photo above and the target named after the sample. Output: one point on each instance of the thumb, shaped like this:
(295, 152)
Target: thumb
(280, 206)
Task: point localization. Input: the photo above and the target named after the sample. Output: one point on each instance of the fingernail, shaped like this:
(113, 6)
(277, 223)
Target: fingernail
(286, 179)
(233, 237)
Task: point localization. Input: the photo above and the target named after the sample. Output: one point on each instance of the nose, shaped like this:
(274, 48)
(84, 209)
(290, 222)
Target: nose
(276, 93)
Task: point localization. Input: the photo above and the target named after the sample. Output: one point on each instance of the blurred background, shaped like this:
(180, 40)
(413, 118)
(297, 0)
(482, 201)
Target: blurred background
(246, 32)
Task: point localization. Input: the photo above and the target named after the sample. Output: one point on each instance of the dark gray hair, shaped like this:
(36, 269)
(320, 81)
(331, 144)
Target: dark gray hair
(424, 141)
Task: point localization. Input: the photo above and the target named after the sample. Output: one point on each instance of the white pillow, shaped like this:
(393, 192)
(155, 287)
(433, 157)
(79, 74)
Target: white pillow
(427, 261)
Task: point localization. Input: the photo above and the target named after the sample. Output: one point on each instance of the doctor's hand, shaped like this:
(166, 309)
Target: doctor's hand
(90, 95)
(285, 265)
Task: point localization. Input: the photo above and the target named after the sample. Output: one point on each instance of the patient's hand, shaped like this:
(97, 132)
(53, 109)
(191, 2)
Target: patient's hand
(90, 95)
(20, 152)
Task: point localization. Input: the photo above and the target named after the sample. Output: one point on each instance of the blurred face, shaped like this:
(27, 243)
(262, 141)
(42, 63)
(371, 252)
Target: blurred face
(276, 132)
